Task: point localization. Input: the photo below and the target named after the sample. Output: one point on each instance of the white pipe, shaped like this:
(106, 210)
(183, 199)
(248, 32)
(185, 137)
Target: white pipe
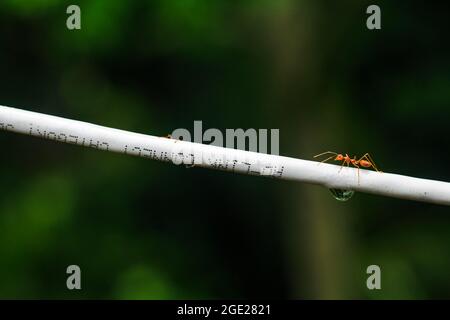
(239, 161)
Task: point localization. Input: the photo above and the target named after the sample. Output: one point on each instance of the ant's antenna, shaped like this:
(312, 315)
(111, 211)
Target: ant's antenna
(321, 154)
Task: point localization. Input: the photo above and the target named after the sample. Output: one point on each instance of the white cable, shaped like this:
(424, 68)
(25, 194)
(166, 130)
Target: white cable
(238, 161)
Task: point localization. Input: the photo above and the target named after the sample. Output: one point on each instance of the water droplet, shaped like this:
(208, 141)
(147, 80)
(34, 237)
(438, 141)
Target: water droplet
(342, 195)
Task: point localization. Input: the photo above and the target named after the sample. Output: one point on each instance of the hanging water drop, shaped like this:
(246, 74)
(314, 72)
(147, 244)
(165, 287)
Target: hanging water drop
(342, 195)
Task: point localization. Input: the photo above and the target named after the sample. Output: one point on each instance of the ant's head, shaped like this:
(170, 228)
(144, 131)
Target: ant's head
(339, 157)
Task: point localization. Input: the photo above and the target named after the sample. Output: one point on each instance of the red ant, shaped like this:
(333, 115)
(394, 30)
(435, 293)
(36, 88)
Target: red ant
(365, 161)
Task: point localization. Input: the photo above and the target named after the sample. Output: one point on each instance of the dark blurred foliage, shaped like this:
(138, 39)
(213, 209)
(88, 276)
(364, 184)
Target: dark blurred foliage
(142, 229)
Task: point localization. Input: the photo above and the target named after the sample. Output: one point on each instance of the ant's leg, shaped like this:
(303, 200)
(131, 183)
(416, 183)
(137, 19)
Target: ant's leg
(321, 154)
(342, 165)
(355, 164)
(364, 156)
(358, 171)
(373, 162)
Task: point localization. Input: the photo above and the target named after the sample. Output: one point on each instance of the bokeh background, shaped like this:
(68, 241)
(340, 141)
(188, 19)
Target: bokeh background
(141, 229)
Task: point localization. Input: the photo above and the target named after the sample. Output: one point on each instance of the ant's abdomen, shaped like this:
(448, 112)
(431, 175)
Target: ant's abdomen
(365, 163)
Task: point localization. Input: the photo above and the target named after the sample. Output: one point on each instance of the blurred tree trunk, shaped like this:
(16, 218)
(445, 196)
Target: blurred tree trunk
(317, 247)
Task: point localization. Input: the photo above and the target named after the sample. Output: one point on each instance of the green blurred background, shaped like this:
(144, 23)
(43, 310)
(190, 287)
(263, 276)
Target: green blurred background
(310, 68)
